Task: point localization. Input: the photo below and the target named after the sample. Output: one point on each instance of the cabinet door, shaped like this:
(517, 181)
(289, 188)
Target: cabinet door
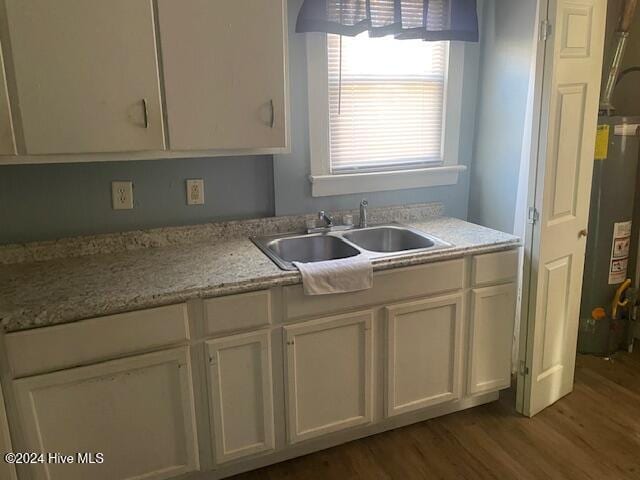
(224, 72)
(241, 395)
(138, 412)
(493, 311)
(329, 374)
(7, 471)
(86, 74)
(423, 353)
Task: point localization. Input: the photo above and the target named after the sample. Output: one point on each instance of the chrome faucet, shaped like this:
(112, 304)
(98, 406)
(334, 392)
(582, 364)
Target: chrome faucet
(326, 218)
(363, 213)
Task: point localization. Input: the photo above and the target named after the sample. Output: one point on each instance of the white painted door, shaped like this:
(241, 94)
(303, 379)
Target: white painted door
(241, 395)
(86, 74)
(7, 139)
(569, 110)
(491, 337)
(138, 412)
(7, 470)
(329, 374)
(423, 353)
(225, 73)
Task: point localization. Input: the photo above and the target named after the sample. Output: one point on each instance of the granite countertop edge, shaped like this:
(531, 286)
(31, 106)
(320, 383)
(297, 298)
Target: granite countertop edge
(24, 319)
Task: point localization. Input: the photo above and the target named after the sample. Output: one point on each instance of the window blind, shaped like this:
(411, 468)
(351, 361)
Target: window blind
(385, 102)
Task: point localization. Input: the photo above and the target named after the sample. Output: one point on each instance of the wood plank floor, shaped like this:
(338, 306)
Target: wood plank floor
(594, 433)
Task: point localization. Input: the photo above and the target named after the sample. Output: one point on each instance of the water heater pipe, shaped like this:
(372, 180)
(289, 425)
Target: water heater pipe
(622, 35)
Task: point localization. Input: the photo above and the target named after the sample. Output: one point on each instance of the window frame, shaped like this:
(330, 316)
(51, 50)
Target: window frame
(324, 183)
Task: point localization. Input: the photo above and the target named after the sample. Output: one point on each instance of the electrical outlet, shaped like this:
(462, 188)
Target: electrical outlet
(122, 195)
(195, 192)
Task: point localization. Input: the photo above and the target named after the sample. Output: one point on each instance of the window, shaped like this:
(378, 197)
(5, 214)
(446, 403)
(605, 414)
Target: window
(385, 103)
(384, 113)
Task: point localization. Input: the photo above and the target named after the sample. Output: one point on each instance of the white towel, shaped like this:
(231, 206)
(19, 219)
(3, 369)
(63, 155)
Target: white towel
(336, 276)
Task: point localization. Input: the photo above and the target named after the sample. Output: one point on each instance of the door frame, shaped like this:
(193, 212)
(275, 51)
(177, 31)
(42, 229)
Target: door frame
(531, 237)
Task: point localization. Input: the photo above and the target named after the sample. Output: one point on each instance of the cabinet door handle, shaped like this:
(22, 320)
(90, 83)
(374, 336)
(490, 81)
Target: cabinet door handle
(145, 109)
(273, 114)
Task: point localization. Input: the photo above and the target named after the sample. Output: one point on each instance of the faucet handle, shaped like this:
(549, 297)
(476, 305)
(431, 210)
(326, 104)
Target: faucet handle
(364, 203)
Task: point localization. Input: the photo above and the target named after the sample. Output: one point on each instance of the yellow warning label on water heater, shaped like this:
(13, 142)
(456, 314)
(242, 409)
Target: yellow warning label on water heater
(602, 142)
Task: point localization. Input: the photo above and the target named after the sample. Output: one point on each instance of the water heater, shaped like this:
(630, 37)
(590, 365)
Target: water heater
(610, 254)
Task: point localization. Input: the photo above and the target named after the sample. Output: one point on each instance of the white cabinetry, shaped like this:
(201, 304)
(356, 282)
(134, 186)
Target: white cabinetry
(329, 374)
(241, 392)
(86, 74)
(225, 74)
(491, 337)
(137, 411)
(423, 353)
(7, 471)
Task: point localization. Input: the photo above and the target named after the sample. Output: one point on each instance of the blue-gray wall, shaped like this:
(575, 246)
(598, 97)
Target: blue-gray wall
(508, 27)
(291, 171)
(40, 202)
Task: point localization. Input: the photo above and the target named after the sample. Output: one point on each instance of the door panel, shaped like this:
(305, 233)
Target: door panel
(421, 336)
(569, 112)
(137, 411)
(84, 71)
(329, 374)
(225, 73)
(241, 395)
(565, 163)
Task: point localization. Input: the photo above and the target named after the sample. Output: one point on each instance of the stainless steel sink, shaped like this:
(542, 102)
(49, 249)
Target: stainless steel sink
(305, 248)
(389, 239)
(375, 242)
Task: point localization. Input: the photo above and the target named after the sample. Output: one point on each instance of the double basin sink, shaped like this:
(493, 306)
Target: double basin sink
(374, 242)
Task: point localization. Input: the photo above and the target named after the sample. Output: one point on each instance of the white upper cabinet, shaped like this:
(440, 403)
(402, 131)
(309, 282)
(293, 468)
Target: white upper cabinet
(225, 73)
(87, 75)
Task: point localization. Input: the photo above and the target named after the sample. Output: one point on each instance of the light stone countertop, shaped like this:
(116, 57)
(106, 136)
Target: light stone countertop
(36, 294)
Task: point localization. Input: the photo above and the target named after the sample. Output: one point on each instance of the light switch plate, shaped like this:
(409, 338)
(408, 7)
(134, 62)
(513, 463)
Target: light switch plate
(195, 192)
(122, 195)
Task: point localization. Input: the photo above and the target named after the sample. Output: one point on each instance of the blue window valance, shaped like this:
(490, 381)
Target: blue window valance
(430, 20)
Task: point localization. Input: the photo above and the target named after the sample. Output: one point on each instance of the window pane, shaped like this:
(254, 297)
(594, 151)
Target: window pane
(385, 102)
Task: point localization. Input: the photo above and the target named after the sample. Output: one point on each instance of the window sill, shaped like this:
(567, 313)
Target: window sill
(327, 185)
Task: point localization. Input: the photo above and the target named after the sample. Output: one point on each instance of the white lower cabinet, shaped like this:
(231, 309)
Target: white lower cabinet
(7, 470)
(329, 365)
(491, 337)
(424, 340)
(241, 392)
(138, 412)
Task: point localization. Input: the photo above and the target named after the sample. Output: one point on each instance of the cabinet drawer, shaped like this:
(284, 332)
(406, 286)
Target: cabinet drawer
(237, 312)
(388, 286)
(495, 267)
(97, 339)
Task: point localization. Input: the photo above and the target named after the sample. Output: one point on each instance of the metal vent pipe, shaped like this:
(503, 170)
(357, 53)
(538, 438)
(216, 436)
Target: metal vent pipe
(622, 35)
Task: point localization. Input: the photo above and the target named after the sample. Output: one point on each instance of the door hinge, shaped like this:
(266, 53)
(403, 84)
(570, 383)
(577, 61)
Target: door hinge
(523, 369)
(545, 30)
(533, 216)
